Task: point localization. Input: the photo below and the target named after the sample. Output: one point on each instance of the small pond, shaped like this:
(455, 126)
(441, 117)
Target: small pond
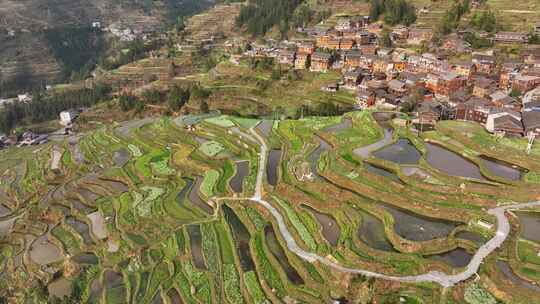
(121, 157)
(474, 237)
(265, 127)
(272, 168)
(402, 152)
(278, 252)
(382, 172)
(81, 228)
(451, 163)
(371, 232)
(82, 207)
(415, 227)
(456, 258)
(181, 197)
(502, 168)
(86, 258)
(346, 123)
(505, 268)
(43, 252)
(530, 225)
(237, 182)
(241, 238)
(330, 228)
(114, 286)
(174, 296)
(316, 155)
(195, 240)
(195, 198)
(59, 288)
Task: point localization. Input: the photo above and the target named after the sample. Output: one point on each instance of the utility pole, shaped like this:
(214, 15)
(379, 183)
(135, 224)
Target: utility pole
(531, 136)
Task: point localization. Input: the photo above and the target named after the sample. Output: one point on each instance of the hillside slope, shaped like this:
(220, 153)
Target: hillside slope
(25, 52)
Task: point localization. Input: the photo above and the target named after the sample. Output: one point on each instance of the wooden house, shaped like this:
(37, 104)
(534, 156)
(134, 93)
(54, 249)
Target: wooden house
(320, 62)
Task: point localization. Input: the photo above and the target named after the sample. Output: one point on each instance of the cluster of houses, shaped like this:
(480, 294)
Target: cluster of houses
(480, 89)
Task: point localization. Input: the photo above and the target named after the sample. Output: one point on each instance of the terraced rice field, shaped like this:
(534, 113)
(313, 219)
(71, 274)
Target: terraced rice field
(151, 214)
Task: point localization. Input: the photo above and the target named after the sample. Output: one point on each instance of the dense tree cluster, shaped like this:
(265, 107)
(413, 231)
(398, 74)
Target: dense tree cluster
(304, 15)
(45, 106)
(394, 11)
(76, 48)
(484, 21)
(259, 16)
(451, 18)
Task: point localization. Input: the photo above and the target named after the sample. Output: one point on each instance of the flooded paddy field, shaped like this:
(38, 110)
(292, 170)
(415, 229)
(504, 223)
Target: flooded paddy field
(451, 163)
(329, 226)
(237, 182)
(272, 169)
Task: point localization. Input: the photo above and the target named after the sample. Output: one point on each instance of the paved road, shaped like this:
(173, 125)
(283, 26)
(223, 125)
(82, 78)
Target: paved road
(446, 280)
(364, 152)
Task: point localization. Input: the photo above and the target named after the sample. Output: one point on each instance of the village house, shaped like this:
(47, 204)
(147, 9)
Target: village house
(510, 37)
(382, 65)
(413, 80)
(287, 57)
(465, 69)
(364, 37)
(375, 28)
(501, 100)
(389, 102)
(531, 122)
(455, 44)
(68, 117)
(328, 42)
(306, 47)
(449, 82)
(484, 64)
(352, 79)
(346, 44)
(427, 63)
(505, 122)
(458, 97)
(475, 109)
(397, 87)
(368, 49)
(320, 62)
(367, 61)
(26, 97)
(483, 87)
(302, 61)
(428, 113)
(507, 74)
(400, 34)
(352, 59)
(419, 35)
(524, 83)
(364, 99)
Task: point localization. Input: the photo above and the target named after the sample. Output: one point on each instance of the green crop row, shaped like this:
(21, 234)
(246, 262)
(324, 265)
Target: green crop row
(254, 288)
(231, 279)
(256, 218)
(210, 179)
(267, 270)
(211, 254)
(298, 224)
(227, 253)
(200, 281)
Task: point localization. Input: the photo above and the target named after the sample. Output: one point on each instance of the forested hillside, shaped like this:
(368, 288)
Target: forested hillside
(49, 40)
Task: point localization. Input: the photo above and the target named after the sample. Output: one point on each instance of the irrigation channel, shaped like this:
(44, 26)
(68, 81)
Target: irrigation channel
(445, 280)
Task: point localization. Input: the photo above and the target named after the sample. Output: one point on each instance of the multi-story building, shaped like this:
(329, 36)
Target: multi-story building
(320, 62)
